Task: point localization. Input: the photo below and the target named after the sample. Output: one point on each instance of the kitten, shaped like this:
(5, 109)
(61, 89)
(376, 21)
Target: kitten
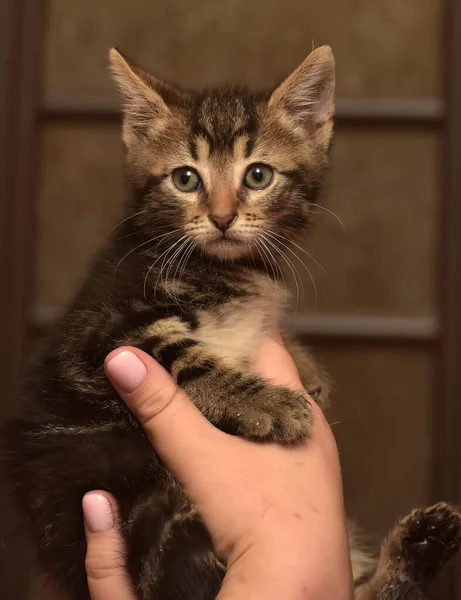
(220, 181)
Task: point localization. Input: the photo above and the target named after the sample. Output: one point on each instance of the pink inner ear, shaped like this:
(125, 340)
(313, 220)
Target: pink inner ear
(324, 109)
(309, 91)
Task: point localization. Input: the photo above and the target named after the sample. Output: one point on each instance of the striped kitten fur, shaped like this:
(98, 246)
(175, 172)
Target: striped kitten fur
(220, 183)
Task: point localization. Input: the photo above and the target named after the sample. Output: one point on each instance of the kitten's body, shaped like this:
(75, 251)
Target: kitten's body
(78, 428)
(201, 302)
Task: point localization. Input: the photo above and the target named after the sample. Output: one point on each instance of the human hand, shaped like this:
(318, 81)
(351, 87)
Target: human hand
(275, 513)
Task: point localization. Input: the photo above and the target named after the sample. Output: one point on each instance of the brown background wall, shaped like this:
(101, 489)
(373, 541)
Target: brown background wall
(382, 186)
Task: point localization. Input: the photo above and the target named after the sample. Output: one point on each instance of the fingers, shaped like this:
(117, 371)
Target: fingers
(181, 435)
(104, 561)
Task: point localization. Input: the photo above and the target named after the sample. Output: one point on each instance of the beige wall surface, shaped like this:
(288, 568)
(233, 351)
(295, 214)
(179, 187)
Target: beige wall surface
(383, 48)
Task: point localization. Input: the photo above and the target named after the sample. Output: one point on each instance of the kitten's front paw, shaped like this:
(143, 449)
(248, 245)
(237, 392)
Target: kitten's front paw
(429, 538)
(276, 414)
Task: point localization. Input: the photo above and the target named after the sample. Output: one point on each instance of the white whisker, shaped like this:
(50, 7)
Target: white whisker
(140, 246)
(305, 267)
(170, 263)
(262, 258)
(136, 232)
(187, 255)
(184, 249)
(274, 261)
(127, 235)
(183, 261)
(263, 250)
(165, 262)
(291, 266)
(331, 213)
(128, 218)
(156, 261)
(308, 254)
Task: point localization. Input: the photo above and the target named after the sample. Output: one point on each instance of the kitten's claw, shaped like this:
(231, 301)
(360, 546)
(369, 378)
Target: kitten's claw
(430, 537)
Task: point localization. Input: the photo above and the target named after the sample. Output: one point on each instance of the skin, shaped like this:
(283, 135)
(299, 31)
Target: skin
(275, 513)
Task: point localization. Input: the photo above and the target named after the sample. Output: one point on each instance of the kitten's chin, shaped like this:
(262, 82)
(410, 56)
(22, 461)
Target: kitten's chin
(227, 249)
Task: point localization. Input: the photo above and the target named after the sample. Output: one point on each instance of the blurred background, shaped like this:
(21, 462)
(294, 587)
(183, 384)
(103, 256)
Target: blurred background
(385, 318)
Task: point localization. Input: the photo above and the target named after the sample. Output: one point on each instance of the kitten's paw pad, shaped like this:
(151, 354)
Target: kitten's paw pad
(430, 537)
(280, 415)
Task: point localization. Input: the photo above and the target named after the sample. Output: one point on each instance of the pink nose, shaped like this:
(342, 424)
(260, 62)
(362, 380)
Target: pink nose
(222, 222)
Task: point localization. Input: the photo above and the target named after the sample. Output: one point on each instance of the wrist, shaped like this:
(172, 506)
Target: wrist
(260, 582)
(287, 578)
(289, 575)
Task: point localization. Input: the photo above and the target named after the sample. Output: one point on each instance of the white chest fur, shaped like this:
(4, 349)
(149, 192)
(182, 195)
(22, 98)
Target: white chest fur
(234, 331)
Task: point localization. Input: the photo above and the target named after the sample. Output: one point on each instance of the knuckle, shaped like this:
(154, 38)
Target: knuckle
(155, 401)
(104, 565)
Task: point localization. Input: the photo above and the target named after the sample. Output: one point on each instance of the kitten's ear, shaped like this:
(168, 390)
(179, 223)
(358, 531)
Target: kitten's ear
(307, 95)
(143, 105)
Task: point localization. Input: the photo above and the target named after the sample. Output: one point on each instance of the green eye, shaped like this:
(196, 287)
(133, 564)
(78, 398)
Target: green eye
(186, 179)
(258, 177)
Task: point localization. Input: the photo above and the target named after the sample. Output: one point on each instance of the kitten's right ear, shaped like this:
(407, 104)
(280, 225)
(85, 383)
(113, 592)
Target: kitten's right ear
(143, 106)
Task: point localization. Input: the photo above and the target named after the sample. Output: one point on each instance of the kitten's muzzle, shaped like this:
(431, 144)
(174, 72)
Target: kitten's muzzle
(223, 222)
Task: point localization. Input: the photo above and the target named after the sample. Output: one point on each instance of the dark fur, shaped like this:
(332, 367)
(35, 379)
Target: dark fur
(73, 434)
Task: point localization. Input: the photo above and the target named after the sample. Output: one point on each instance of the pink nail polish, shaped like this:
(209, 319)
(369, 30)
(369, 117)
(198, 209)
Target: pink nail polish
(97, 512)
(126, 371)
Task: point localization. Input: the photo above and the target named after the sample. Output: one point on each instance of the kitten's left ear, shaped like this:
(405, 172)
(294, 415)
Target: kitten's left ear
(307, 95)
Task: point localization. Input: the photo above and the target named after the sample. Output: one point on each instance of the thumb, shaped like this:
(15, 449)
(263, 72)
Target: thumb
(183, 438)
(104, 562)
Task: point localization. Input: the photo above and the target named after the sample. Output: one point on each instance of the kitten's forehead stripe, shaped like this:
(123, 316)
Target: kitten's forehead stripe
(193, 147)
(250, 144)
(223, 115)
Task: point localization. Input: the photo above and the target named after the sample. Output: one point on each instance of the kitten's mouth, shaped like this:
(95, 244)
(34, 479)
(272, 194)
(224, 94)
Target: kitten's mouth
(227, 246)
(226, 241)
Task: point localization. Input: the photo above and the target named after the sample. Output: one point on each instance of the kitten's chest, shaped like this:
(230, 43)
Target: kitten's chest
(234, 330)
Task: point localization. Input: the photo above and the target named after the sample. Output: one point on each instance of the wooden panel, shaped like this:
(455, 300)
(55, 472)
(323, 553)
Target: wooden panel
(381, 417)
(350, 112)
(383, 188)
(383, 48)
(20, 37)
(80, 198)
(447, 393)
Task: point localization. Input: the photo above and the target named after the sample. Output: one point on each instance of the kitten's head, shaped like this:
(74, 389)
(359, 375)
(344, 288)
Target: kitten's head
(225, 167)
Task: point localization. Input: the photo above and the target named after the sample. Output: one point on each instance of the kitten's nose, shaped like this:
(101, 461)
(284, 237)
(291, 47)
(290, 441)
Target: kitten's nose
(222, 222)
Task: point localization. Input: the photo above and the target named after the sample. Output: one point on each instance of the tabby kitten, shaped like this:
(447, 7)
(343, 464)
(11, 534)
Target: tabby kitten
(220, 180)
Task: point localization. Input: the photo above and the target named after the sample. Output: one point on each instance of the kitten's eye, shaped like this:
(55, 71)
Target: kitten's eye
(186, 179)
(258, 177)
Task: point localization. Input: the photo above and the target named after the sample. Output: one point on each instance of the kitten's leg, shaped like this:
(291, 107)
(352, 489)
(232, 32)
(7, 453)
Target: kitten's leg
(417, 548)
(363, 561)
(168, 550)
(106, 456)
(313, 377)
(236, 402)
(170, 553)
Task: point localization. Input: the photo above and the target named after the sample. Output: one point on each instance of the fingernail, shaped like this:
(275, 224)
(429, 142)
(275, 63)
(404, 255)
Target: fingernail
(97, 512)
(126, 370)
